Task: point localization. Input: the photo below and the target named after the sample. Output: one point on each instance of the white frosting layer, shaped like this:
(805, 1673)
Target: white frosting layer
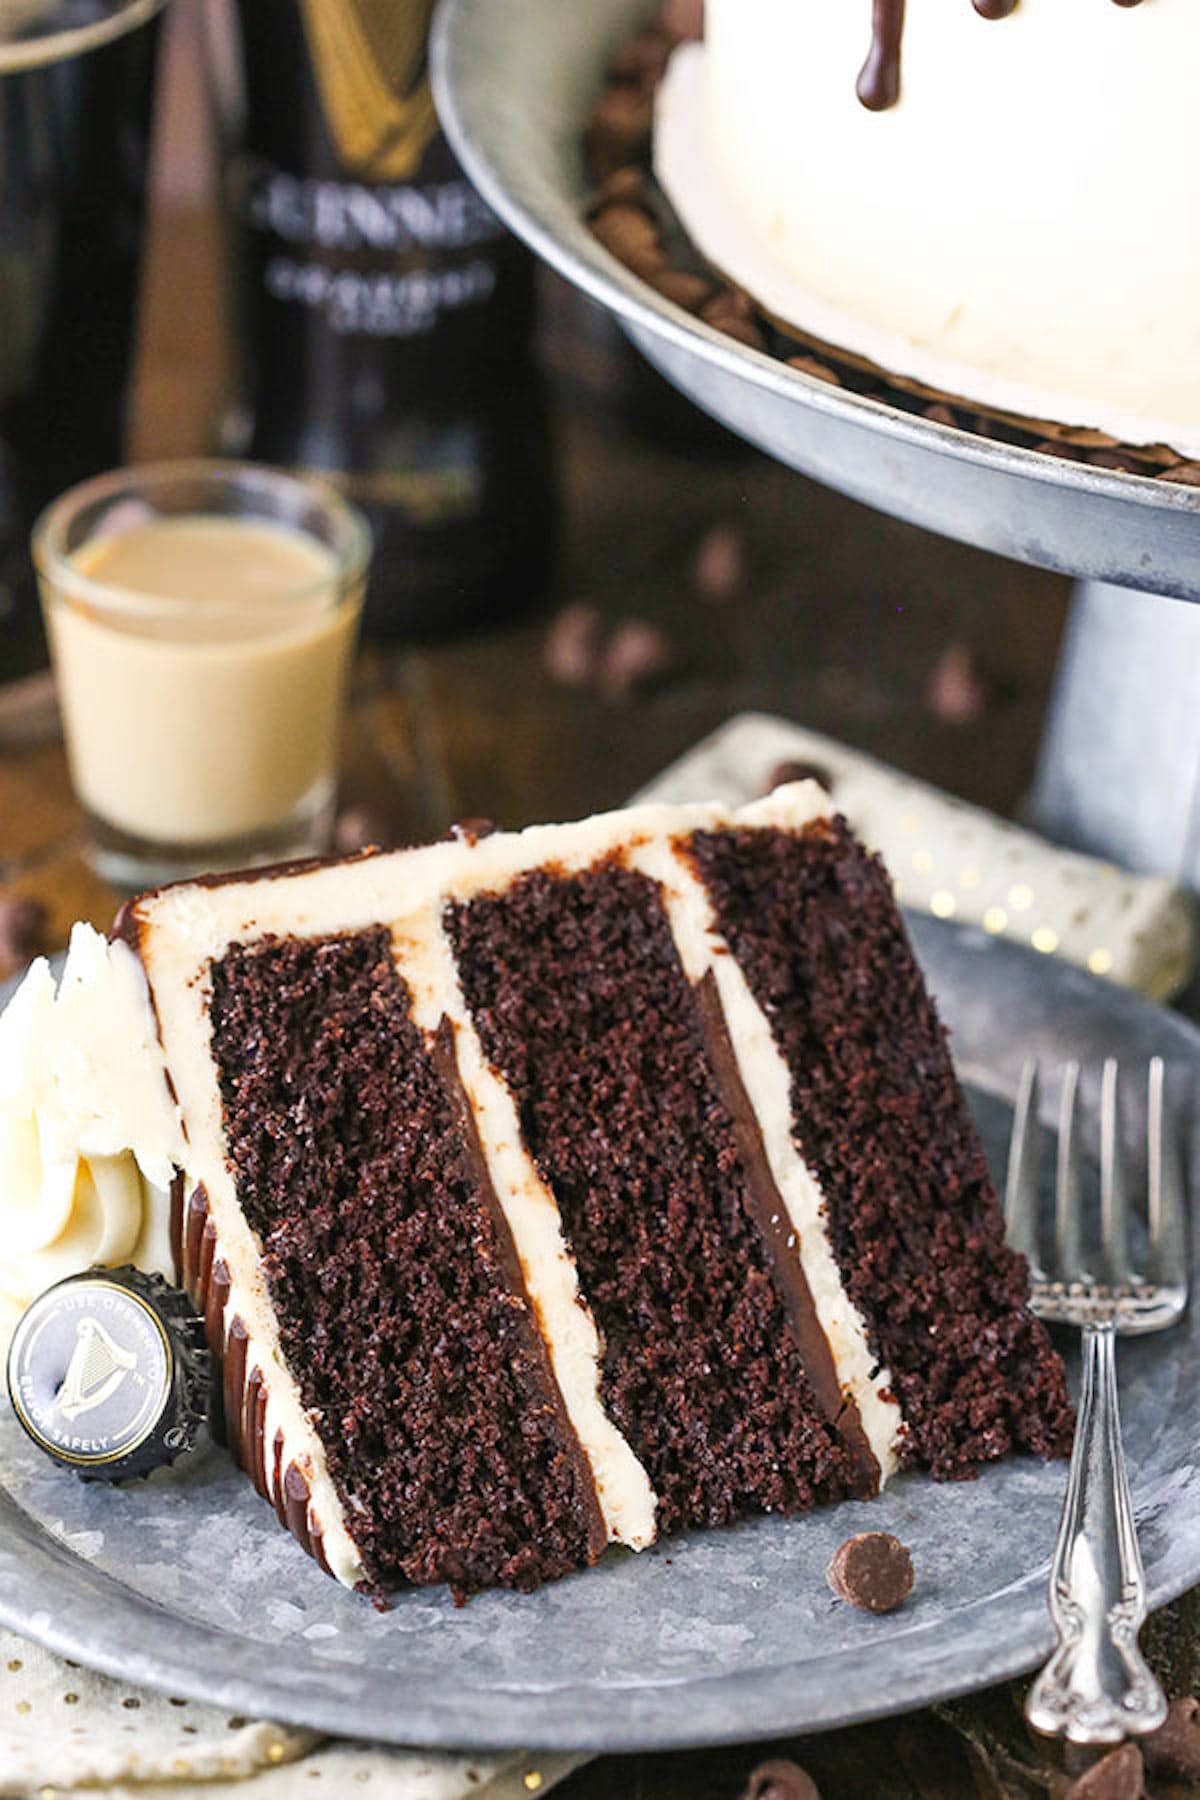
(89, 1133)
(995, 234)
(627, 1500)
(767, 1082)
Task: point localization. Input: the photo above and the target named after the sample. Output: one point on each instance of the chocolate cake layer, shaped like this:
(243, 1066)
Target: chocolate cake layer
(397, 1294)
(577, 991)
(915, 1223)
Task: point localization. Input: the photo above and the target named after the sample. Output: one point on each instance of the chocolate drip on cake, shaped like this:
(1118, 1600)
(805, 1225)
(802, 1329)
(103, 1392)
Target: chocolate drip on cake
(878, 84)
(914, 1220)
(577, 992)
(398, 1316)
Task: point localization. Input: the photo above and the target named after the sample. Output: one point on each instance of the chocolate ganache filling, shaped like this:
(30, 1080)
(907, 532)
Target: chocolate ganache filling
(878, 84)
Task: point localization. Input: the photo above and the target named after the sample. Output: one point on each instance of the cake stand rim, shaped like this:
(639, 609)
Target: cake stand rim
(576, 255)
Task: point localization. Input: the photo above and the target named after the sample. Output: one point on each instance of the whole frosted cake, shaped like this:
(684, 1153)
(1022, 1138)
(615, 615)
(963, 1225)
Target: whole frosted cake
(1000, 200)
(547, 1190)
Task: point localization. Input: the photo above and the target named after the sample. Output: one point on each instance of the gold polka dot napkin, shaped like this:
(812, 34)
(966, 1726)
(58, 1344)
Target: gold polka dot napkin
(65, 1731)
(958, 861)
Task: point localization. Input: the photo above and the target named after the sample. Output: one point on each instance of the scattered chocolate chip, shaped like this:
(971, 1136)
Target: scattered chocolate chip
(872, 1570)
(810, 365)
(628, 184)
(780, 1780)
(360, 828)
(638, 655)
(22, 922)
(733, 313)
(618, 131)
(719, 565)
(955, 691)
(1117, 1776)
(571, 652)
(632, 236)
(784, 772)
(1187, 474)
(684, 19)
(1174, 1749)
(685, 289)
(469, 831)
(642, 60)
(938, 413)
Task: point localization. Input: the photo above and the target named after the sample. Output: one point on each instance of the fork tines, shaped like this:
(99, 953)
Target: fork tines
(1085, 1272)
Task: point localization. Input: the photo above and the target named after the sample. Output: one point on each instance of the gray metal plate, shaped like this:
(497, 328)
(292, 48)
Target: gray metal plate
(186, 1583)
(514, 79)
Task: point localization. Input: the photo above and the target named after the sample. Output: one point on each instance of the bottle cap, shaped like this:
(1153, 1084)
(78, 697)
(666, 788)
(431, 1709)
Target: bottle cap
(108, 1373)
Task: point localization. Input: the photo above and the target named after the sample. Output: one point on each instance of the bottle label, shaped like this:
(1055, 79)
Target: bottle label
(326, 246)
(369, 58)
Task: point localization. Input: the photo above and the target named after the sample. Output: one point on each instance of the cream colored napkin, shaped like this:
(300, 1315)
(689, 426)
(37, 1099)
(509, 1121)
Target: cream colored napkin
(64, 1730)
(959, 862)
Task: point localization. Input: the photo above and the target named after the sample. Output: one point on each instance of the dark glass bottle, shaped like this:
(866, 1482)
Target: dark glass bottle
(386, 315)
(74, 150)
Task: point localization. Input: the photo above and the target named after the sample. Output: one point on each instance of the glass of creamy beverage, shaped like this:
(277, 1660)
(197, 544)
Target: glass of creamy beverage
(202, 618)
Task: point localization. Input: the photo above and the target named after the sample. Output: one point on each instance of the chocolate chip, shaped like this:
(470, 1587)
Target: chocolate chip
(718, 565)
(955, 691)
(1186, 473)
(628, 183)
(638, 655)
(733, 313)
(1174, 1749)
(360, 828)
(618, 131)
(683, 19)
(632, 236)
(1117, 1776)
(571, 652)
(680, 285)
(938, 413)
(809, 365)
(784, 772)
(642, 60)
(22, 923)
(780, 1780)
(872, 1570)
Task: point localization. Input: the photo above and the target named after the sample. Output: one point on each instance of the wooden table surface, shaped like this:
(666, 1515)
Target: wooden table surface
(933, 656)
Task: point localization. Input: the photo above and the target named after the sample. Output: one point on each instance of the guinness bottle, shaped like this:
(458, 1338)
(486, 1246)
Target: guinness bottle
(386, 315)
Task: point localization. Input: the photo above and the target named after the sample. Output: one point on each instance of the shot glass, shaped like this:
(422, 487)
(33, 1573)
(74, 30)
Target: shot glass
(202, 619)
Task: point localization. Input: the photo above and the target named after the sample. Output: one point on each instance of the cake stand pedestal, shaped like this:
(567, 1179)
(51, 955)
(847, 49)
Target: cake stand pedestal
(1119, 768)
(1119, 771)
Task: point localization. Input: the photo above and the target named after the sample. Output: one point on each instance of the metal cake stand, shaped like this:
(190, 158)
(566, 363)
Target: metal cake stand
(1120, 765)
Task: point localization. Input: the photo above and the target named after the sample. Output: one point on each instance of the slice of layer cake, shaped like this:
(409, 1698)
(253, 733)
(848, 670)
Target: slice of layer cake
(550, 1190)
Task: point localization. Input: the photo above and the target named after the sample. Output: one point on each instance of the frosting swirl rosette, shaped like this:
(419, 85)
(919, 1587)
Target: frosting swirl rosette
(89, 1132)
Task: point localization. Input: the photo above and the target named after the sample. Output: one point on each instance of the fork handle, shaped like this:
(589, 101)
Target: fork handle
(1097, 1687)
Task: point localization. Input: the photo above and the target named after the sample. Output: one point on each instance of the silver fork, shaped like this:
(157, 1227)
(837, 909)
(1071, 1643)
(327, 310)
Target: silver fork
(1097, 1687)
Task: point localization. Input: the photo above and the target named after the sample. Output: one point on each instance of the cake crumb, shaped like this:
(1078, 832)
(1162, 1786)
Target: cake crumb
(872, 1570)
